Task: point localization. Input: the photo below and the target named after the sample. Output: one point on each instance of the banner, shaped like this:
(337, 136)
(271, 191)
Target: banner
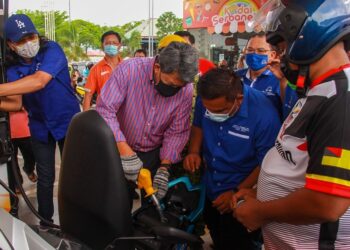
(219, 16)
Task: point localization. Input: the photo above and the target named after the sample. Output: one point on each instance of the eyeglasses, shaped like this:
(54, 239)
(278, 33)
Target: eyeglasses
(258, 50)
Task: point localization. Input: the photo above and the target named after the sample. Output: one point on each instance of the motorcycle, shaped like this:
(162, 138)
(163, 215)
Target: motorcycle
(94, 205)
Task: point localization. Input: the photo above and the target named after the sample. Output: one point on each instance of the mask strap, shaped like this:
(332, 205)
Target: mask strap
(302, 83)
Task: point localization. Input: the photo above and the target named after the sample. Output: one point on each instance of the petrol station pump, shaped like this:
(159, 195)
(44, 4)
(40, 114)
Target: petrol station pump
(5, 142)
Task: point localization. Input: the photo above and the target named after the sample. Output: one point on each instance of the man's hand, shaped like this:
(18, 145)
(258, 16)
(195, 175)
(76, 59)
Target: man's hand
(223, 202)
(240, 194)
(160, 182)
(131, 166)
(192, 162)
(247, 212)
(274, 66)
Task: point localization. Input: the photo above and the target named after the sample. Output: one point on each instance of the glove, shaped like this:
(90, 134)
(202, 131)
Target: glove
(160, 182)
(131, 166)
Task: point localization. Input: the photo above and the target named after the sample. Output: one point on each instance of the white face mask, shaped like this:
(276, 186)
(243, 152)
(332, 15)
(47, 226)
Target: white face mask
(220, 117)
(29, 49)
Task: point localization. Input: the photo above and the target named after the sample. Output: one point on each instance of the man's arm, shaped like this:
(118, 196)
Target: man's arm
(91, 84)
(28, 84)
(301, 207)
(177, 134)
(195, 140)
(87, 101)
(11, 103)
(251, 180)
(193, 158)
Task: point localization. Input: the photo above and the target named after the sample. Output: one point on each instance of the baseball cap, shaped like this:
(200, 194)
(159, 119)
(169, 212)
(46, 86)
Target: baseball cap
(165, 41)
(17, 26)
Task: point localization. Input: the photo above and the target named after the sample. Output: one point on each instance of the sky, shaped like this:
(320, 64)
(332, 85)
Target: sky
(103, 12)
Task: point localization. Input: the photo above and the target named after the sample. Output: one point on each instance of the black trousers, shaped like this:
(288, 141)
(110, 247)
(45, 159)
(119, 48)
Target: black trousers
(25, 146)
(150, 161)
(227, 233)
(45, 156)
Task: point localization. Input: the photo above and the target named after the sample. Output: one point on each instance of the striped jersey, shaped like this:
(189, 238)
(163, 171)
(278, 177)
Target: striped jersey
(312, 151)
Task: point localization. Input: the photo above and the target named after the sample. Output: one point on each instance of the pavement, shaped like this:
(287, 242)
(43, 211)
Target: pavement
(30, 188)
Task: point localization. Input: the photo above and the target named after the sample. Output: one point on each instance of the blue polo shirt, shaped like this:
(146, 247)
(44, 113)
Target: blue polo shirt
(234, 148)
(267, 83)
(290, 99)
(50, 109)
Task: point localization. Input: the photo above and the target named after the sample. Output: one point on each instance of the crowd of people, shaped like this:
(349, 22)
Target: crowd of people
(272, 137)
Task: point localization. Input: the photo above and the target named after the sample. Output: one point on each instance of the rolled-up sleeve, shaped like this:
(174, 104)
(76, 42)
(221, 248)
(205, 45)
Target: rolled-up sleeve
(177, 134)
(112, 97)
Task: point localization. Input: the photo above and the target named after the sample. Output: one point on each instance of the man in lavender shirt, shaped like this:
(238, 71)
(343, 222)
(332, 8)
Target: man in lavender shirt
(147, 103)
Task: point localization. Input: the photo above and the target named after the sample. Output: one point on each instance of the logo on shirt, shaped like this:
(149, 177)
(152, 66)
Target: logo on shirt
(291, 117)
(240, 128)
(285, 154)
(268, 89)
(336, 157)
(104, 72)
(37, 66)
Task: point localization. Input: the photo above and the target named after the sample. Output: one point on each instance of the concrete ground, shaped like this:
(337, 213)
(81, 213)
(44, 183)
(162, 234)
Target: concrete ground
(30, 188)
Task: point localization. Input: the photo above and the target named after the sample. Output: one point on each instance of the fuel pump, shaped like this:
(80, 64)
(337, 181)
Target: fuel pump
(5, 141)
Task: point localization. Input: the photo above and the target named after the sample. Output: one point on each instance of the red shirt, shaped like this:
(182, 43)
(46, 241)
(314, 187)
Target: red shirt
(98, 76)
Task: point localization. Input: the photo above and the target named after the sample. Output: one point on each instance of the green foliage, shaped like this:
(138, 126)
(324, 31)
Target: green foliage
(77, 36)
(167, 24)
(133, 42)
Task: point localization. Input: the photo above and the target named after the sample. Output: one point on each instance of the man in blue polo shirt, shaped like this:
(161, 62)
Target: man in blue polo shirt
(38, 70)
(258, 53)
(233, 127)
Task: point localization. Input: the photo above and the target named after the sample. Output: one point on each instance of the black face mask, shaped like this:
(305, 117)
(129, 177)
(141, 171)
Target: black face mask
(166, 90)
(293, 75)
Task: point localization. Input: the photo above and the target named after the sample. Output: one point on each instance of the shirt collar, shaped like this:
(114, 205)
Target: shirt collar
(267, 72)
(106, 63)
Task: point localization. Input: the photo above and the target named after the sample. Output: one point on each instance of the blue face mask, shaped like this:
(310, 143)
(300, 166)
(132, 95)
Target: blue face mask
(111, 50)
(220, 117)
(256, 61)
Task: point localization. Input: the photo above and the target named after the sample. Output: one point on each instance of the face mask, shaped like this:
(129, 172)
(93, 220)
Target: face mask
(166, 90)
(255, 61)
(111, 50)
(220, 117)
(292, 75)
(29, 49)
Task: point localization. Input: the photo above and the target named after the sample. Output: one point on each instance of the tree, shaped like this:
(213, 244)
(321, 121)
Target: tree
(77, 36)
(167, 24)
(132, 43)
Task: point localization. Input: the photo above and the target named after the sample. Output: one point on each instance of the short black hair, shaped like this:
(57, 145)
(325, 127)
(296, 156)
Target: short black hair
(140, 51)
(219, 82)
(184, 33)
(262, 34)
(110, 32)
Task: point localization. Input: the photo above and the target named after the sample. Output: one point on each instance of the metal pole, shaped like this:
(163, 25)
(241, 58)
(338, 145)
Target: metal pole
(69, 11)
(152, 19)
(149, 28)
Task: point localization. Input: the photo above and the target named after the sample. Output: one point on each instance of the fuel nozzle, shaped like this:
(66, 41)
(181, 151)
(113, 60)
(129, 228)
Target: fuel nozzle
(144, 182)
